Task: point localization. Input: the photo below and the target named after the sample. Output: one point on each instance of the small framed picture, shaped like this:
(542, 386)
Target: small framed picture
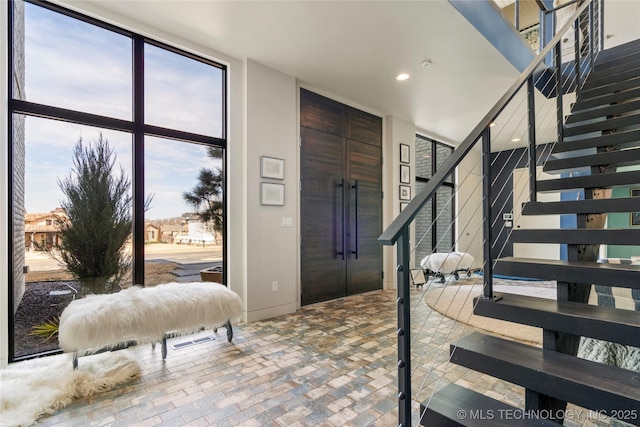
(405, 192)
(271, 167)
(405, 174)
(403, 205)
(271, 194)
(635, 216)
(404, 153)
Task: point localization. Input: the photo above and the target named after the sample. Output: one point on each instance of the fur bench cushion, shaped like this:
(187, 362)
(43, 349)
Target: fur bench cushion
(145, 314)
(447, 262)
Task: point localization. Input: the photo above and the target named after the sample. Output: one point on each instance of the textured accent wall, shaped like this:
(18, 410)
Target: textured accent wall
(18, 243)
(502, 178)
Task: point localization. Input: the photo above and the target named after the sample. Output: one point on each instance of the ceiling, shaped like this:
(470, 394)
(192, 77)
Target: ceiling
(348, 49)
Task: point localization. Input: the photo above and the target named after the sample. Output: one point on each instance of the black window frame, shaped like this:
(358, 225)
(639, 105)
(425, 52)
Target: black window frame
(136, 127)
(434, 200)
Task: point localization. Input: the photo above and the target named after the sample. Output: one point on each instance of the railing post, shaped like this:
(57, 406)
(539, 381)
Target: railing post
(404, 330)
(601, 26)
(559, 90)
(578, 48)
(486, 214)
(592, 45)
(533, 185)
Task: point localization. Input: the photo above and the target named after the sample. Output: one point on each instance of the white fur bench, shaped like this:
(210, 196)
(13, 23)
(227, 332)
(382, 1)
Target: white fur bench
(441, 263)
(146, 315)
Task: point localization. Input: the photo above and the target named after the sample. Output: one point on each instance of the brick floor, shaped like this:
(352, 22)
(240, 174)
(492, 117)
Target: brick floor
(329, 364)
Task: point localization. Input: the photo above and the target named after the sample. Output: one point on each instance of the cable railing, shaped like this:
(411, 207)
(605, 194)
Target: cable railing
(519, 132)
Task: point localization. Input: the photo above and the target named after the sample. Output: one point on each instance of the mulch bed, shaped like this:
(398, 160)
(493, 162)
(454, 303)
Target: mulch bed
(40, 304)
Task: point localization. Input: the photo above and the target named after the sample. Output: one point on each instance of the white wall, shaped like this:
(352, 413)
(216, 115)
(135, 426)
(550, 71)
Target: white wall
(469, 206)
(4, 201)
(621, 22)
(396, 132)
(272, 249)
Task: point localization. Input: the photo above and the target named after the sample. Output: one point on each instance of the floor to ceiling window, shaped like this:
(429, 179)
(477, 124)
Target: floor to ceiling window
(117, 148)
(434, 224)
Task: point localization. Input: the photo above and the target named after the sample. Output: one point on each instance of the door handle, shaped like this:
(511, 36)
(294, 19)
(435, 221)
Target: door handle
(355, 187)
(341, 186)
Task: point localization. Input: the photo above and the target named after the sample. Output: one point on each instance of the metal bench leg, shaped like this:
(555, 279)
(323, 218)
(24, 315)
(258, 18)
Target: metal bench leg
(229, 330)
(164, 347)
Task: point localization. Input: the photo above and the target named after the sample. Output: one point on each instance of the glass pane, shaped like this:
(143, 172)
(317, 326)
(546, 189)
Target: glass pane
(444, 220)
(423, 158)
(59, 228)
(184, 218)
(443, 152)
(71, 64)
(182, 93)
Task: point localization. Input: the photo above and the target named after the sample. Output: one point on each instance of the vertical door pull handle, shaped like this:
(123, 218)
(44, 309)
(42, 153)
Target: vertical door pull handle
(341, 186)
(355, 187)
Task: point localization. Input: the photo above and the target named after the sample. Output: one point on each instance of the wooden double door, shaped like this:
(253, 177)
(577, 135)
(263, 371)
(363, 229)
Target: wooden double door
(341, 199)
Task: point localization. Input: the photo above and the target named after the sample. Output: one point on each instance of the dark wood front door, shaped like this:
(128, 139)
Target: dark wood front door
(341, 199)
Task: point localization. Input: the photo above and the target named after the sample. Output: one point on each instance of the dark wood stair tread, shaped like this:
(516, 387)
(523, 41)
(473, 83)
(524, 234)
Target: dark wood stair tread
(605, 323)
(616, 88)
(615, 66)
(617, 157)
(604, 180)
(612, 76)
(602, 125)
(618, 139)
(578, 236)
(619, 92)
(602, 112)
(605, 274)
(622, 204)
(454, 405)
(588, 384)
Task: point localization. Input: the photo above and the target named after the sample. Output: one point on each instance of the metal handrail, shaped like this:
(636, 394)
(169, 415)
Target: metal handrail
(408, 214)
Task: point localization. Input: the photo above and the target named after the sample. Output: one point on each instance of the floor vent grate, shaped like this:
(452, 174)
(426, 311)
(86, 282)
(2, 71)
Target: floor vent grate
(192, 342)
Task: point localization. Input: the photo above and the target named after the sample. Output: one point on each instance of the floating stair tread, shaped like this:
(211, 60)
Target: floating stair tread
(610, 124)
(612, 76)
(610, 89)
(624, 52)
(616, 66)
(616, 157)
(604, 180)
(605, 274)
(618, 140)
(605, 111)
(619, 92)
(578, 236)
(622, 204)
(443, 410)
(605, 323)
(588, 384)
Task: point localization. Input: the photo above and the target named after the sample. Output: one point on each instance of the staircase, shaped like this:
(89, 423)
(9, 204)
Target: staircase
(601, 133)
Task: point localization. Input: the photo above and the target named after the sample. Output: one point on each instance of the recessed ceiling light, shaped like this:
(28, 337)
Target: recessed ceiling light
(515, 140)
(402, 76)
(492, 124)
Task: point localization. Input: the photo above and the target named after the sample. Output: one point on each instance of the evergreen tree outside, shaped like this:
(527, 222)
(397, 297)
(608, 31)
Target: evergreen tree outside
(99, 217)
(206, 196)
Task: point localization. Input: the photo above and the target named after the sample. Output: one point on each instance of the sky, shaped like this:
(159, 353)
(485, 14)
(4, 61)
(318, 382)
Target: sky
(74, 65)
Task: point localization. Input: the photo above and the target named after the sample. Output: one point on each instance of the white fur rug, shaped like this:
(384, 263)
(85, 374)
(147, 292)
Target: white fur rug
(38, 387)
